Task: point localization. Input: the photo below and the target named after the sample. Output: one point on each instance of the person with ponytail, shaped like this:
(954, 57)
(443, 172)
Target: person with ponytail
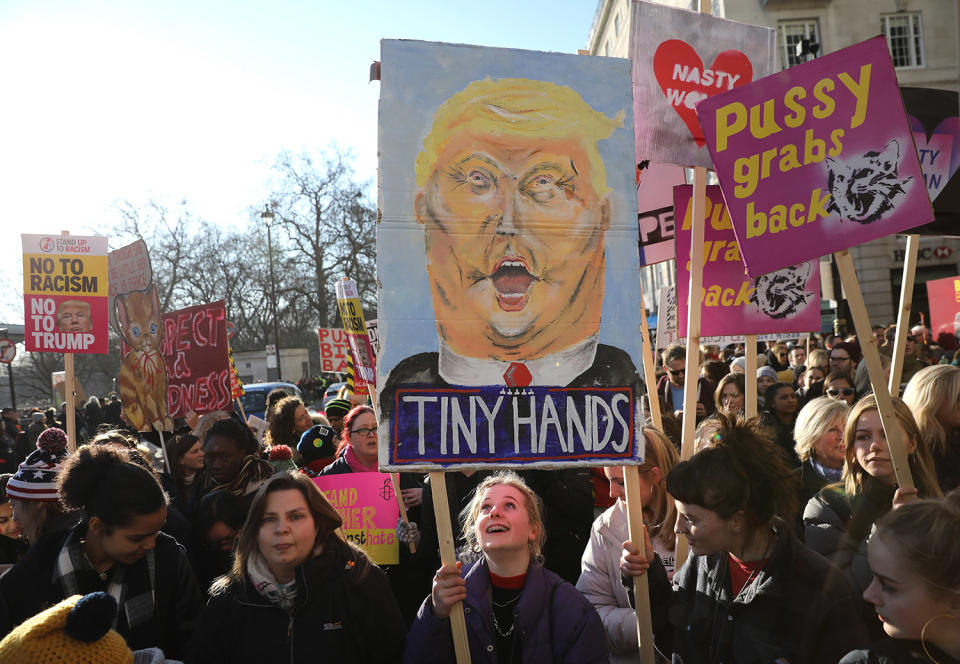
(749, 591)
(915, 591)
(117, 548)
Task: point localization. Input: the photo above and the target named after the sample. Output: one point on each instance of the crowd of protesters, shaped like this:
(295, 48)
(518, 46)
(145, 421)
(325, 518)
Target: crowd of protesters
(799, 544)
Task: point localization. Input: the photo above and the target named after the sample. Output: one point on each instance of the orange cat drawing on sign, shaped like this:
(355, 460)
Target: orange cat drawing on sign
(143, 373)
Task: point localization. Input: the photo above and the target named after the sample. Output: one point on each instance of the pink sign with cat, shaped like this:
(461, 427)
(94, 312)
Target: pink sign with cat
(817, 158)
(786, 300)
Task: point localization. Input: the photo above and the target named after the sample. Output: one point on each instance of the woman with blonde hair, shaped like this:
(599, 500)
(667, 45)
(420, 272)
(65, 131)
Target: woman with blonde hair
(516, 610)
(298, 590)
(600, 580)
(839, 519)
(915, 589)
(933, 395)
(819, 435)
(730, 394)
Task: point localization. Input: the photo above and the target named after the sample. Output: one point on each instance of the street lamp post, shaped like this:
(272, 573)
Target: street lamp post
(267, 217)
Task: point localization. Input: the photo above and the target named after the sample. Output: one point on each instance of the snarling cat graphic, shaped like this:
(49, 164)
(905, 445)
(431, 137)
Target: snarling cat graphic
(865, 187)
(780, 294)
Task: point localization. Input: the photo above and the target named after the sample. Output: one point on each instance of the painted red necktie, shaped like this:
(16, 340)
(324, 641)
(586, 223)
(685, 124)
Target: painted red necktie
(517, 375)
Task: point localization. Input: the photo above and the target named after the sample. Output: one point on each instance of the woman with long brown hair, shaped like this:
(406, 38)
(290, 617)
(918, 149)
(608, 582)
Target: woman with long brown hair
(298, 590)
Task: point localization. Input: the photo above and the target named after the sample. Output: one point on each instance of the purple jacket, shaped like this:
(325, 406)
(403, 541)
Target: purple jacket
(556, 624)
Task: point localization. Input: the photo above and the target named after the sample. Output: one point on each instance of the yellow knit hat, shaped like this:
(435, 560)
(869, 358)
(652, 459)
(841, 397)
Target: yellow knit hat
(75, 631)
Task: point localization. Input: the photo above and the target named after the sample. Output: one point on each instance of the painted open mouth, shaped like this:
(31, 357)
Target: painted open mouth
(512, 280)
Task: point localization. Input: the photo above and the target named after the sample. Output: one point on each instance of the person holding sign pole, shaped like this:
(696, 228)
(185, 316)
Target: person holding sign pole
(750, 590)
(838, 520)
(915, 588)
(600, 579)
(298, 591)
(516, 610)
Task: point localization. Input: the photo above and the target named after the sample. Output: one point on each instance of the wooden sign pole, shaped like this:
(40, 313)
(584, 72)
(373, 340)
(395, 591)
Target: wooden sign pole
(750, 376)
(903, 316)
(448, 556)
(650, 372)
(71, 395)
(871, 354)
(695, 300)
(641, 584)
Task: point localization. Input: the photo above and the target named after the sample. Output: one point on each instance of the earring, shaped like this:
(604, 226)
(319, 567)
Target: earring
(923, 633)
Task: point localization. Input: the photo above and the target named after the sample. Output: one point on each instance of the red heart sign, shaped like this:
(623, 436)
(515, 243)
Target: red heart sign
(684, 81)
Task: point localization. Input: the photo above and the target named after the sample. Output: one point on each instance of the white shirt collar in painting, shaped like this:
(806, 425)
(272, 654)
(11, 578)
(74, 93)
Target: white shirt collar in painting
(557, 370)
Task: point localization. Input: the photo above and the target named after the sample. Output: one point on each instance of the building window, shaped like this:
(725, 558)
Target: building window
(616, 24)
(904, 34)
(789, 34)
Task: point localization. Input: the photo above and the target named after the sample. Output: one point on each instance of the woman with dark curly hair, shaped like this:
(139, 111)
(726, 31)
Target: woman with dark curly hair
(289, 420)
(750, 590)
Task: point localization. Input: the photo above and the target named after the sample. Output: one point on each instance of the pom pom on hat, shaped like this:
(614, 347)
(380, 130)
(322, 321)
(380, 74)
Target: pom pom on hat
(280, 453)
(52, 441)
(75, 630)
(36, 478)
(91, 617)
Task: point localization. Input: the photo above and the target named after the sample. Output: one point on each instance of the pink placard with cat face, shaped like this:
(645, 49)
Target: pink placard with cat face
(786, 300)
(817, 158)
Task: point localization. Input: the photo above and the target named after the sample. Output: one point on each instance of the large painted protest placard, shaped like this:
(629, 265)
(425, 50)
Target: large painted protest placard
(655, 183)
(509, 309)
(817, 158)
(195, 351)
(334, 349)
(368, 506)
(934, 117)
(680, 58)
(944, 298)
(786, 300)
(65, 290)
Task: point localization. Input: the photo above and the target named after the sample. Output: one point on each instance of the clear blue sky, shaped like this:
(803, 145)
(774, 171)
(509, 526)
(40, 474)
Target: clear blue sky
(111, 100)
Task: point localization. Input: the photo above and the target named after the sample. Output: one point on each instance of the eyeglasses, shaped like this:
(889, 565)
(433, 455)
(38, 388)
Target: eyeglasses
(364, 431)
(835, 392)
(676, 372)
(834, 358)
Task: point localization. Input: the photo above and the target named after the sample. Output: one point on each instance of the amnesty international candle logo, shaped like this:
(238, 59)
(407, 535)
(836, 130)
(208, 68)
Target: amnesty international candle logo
(65, 293)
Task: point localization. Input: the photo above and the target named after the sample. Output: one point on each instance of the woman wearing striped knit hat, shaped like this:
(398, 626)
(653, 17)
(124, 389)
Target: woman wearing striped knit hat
(33, 489)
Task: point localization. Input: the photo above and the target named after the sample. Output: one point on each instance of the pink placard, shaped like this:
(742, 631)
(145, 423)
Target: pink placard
(368, 506)
(817, 158)
(787, 300)
(944, 298)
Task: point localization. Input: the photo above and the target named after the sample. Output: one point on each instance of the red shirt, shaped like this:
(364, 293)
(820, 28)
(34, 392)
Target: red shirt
(743, 570)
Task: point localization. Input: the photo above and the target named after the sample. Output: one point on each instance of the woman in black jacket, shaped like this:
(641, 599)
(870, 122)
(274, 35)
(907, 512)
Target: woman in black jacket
(117, 548)
(750, 591)
(298, 591)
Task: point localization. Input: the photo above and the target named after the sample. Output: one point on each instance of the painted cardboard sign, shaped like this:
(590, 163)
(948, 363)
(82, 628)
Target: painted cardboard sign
(680, 58)
(351, 314)
(195, 352)
(509, 309)
(817, 158)
(944, 298)
(334, 349)
(368, 506)
(65, 289)
(786, 300)
(655, 223)
(130, 270)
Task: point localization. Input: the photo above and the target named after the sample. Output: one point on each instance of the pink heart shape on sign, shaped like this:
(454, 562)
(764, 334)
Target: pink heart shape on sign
(684, 81)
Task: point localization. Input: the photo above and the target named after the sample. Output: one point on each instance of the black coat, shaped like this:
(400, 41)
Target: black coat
(29, 588)
(340, 615)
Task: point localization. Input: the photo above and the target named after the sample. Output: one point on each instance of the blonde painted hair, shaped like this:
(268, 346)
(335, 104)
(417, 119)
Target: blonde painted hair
(928, 391)
(521, 107)
(921, 463)
(471, 512)
(813, 421)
